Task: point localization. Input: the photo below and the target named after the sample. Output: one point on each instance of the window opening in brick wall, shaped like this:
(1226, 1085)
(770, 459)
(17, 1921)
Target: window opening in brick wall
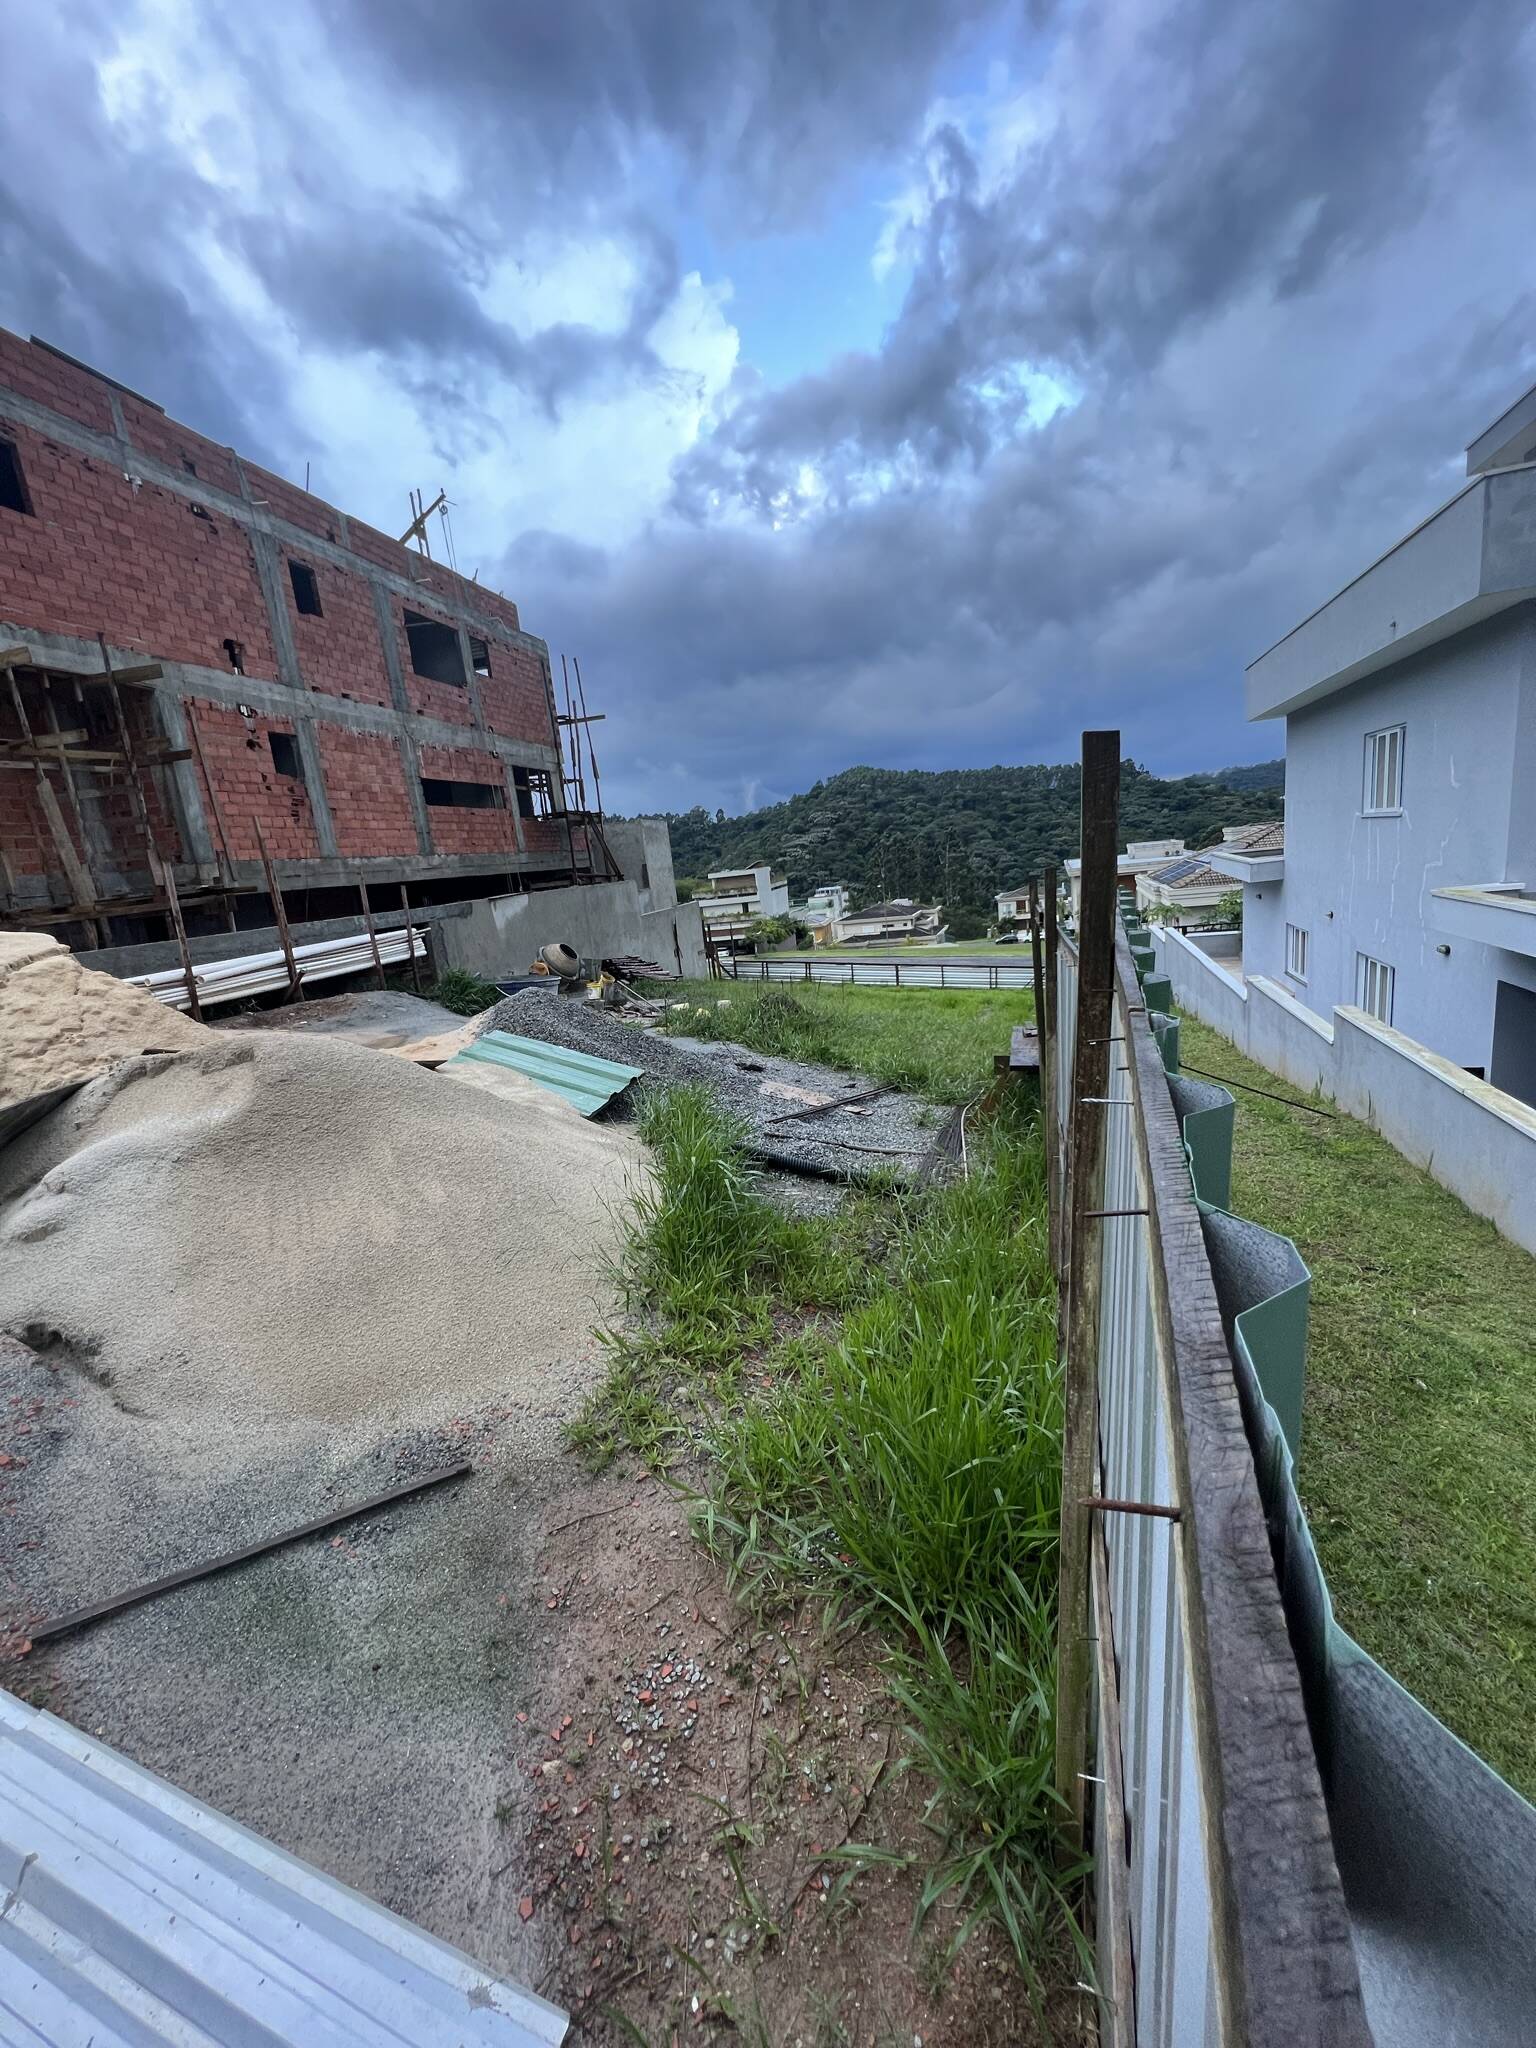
(462, 796)
(1375, 986)
(306, 588)
(1296, 945)
(285, 754)
(479, 656)
(534, 792)
(189, 465)
(13, 485)
(435, 650)
(235, 653)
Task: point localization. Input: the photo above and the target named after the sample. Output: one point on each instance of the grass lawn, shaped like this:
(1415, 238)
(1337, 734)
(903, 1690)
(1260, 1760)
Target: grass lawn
(934, 1042)
(1420, 1415)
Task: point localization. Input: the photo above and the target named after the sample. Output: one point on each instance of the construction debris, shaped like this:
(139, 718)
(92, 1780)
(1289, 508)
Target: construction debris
(118, 1603)
(887, 1130)
(256, 974)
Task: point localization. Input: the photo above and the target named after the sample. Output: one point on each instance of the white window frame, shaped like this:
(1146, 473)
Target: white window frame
(1298, 944)
(1375, 987)
(1381, 794)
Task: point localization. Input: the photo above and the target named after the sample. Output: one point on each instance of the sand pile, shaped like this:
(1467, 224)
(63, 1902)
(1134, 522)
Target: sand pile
(291, 1227)
(61, 1024)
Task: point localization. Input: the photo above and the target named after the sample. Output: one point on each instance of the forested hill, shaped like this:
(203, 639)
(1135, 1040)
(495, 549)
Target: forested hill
(958, 835)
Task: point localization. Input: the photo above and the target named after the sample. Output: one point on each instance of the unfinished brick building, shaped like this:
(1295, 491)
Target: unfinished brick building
(201, 665)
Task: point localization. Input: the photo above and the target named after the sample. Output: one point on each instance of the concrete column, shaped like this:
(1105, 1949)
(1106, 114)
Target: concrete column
(186, 790)
(271, 573)
(389, 640)
(314, 782)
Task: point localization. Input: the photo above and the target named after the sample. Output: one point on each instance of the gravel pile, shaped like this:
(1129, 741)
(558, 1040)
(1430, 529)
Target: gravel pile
(893, 1131)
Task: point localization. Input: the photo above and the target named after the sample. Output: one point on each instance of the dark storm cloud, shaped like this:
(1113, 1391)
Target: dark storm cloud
(89, 246)
(1231, 148)
(766, 102)
(1120, 565)
(405, 288)
(1279, 256)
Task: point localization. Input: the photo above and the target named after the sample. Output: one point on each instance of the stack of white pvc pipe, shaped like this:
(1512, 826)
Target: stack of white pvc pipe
(255, 974)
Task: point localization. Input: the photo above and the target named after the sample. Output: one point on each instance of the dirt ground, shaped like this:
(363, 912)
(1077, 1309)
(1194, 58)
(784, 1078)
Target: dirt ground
(702, 1780)
(526, 1711)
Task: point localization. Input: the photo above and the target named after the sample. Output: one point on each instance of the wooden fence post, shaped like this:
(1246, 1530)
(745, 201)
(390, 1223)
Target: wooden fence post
(1085, 1185)
(295, 979)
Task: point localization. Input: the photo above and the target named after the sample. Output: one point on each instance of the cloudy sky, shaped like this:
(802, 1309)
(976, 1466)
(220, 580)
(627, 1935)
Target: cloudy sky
(902, 381)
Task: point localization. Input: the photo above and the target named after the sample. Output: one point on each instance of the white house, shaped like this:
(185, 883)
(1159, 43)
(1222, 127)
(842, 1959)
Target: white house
(1189, 892)
(832, 897)
(1406, 884)
(736, 897)
(1139, 855)
(1013, 904)
(899, 919)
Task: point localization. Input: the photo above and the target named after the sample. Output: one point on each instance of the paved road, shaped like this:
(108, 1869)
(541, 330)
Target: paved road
(910, 971)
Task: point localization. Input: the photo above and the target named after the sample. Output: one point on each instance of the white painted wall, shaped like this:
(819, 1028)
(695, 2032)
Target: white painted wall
(1474, 1139)
(1360, 884)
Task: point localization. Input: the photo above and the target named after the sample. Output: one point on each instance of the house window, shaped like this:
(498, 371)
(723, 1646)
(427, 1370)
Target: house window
(479, 656)
(534, 793)
(1296, 944)
(285, 754)
(1375, 985)
(306, 588)
(435, 650)
(13, 485)
(462, 796)
(1384, 770)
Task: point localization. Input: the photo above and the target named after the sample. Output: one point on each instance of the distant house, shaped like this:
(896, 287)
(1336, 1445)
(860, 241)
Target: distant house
(1406, 884)
(1013, 904)
(822, 911)
(1139, 855)
(737, 897)
(831, 897)
(899, 919)
(1187, 892)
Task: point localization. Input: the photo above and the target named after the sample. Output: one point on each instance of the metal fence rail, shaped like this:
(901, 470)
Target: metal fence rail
(886, 973)
(1218, 1910)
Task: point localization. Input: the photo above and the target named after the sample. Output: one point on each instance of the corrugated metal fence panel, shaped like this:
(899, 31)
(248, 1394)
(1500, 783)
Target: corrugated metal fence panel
(135, 1915)
(912, 973)
(1169, 1893)
(580, 1077)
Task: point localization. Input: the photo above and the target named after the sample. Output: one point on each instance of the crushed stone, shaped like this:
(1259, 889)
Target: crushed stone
(897, 1132)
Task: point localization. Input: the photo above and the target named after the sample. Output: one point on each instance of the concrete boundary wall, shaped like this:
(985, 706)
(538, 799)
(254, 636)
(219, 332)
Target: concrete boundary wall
(1473, 1138)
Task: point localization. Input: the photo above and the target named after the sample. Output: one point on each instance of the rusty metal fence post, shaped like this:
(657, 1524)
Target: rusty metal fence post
(1085, 1182)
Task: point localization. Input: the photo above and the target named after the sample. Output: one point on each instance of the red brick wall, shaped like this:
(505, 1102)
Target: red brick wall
(49, 381)
(546, 835)
(365, 782)
(250, 790)
(340, 654)
(176, 446)
(513, 694)
(173, 578)
(468, 831)
(141, 566)
(447, 701)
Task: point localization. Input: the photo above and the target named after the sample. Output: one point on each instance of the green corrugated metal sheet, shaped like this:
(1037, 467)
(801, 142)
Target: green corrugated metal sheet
(580, 1077)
